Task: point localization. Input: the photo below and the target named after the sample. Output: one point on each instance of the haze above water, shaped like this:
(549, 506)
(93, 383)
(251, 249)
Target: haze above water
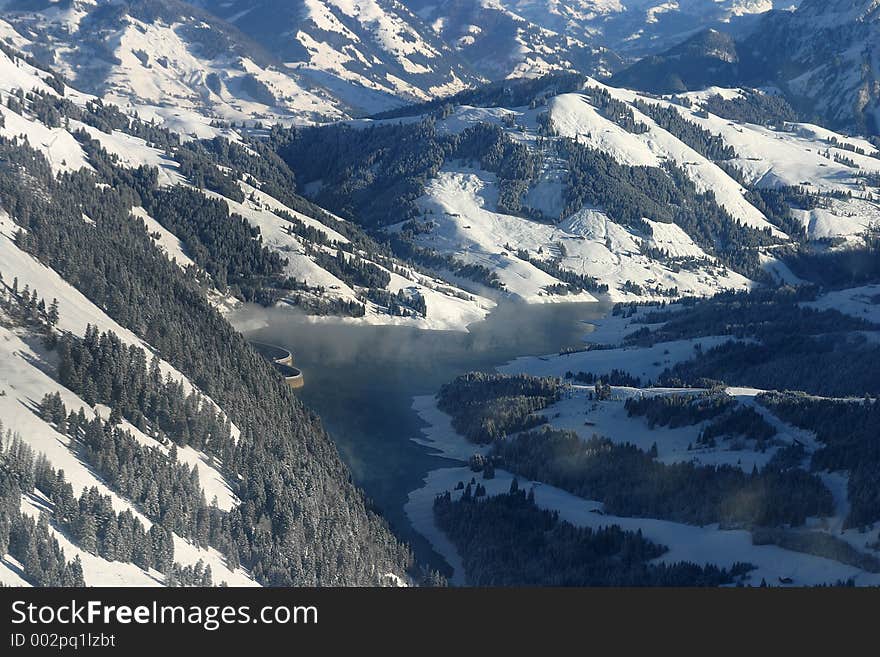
(361, 380)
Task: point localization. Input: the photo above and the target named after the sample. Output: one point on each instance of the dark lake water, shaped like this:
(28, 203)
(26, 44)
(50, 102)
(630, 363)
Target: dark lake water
(361, 380)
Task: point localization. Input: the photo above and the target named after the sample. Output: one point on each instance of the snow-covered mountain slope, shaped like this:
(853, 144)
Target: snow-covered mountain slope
(822, 56)
(445, 306)
(825, 57)
(641, 27)
(842, 170)
(27, 376)
(24, 381)
(573, 116)
(777, 186)
(824, 163)
(169, 61)
(461, 208)
(516, 37)
(317, 60)
(101, 449)
(461, 203)
(373, 54)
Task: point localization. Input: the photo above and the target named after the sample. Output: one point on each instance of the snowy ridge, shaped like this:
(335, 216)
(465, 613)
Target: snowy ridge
(461, 203)
(513, 39)
(529, 37)
(821, 56)
(76, 312)
(173, 66)
(796, 154)
(26, 381)
(580, 120)
(373, 54)
(802, 154)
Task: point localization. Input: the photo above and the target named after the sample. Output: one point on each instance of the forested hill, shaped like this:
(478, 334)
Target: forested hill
(677, 430)
(143, 441)
(565, 188)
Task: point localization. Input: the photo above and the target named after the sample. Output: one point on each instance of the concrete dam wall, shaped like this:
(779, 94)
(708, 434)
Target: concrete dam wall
(282, 359)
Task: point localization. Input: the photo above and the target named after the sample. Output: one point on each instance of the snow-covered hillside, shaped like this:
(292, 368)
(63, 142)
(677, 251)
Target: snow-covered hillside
(176, 65)
(373, 54)
(530, 37)
(824, 55)
(836, 177)
(514, 39)
(315, 60)
(447, 307)
(573, 116)
(792, 155)
(25, 381)
(81, 143)
(460, 203)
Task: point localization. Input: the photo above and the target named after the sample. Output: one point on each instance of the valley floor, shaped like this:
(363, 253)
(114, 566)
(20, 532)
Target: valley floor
(577, 411)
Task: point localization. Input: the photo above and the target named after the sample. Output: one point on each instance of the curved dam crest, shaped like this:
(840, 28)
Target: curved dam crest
(282, 359)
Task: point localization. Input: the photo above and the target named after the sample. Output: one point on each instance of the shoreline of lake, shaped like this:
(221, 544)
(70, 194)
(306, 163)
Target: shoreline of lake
(363, 380)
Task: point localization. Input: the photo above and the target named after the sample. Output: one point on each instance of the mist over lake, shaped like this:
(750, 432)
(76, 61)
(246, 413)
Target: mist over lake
(361, 380)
